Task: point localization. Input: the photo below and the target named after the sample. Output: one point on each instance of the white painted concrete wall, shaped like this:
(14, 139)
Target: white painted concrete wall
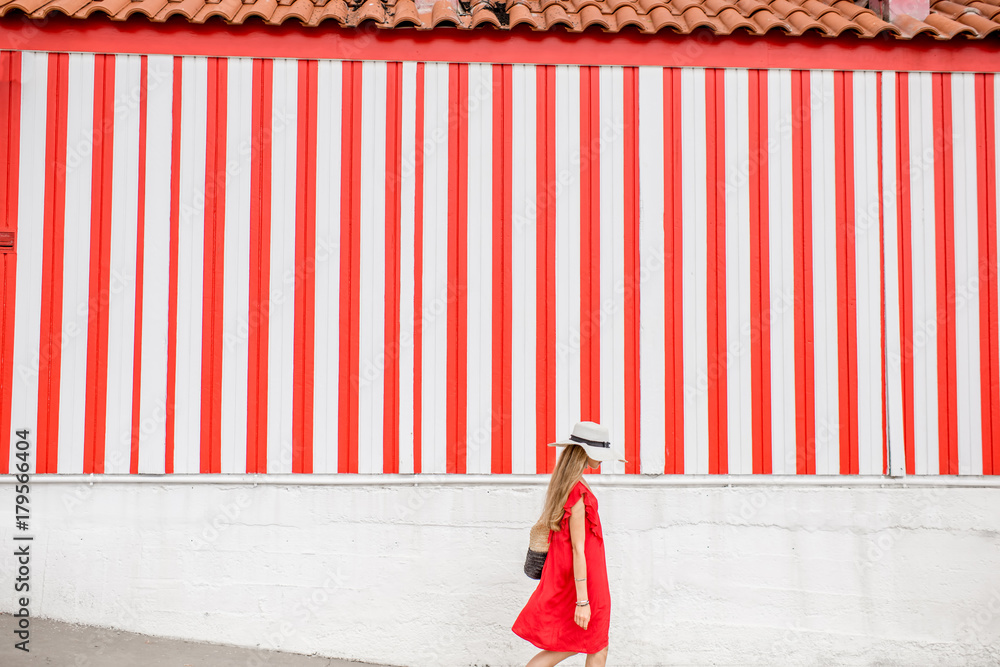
(806, 572)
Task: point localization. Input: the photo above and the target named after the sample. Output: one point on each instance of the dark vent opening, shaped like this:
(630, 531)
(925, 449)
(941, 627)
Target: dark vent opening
(499, 9)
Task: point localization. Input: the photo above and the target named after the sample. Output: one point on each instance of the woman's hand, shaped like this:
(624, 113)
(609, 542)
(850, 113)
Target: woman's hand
(582, 616)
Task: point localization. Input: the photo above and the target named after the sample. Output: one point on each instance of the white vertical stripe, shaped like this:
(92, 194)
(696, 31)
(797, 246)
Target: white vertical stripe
(824, 250)
(327, 308)
(568, 158)
(893, 293)
(434, 366)
(76, 306)
(564, 275)
(480, 269)
(612, 301)
(30, 223)
(924, 273)
(652, 324)
(781, 271)
(523, 382)
(124, 229)
(738, 169)
(236, 260)
(156, 266)
(406, 266)
(868, 279)
(695, 267)
(190, 265)
(967, 339)
(281, 296)
(371, 383)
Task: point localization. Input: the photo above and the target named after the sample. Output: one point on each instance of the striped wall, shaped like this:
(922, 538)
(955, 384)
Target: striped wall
(251, 265)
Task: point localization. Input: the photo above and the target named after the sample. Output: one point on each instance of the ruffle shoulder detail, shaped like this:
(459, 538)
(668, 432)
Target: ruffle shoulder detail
(590, 510)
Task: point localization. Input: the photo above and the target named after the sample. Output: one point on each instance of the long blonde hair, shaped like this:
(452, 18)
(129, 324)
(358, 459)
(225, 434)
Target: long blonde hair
(569, 469)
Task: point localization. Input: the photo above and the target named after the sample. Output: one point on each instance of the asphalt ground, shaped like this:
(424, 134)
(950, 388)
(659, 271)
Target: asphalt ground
(57, 644)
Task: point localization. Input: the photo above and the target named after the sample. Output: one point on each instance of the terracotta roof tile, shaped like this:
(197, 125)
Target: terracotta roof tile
(662, 18)
(694, 17)
(612, 6)
(627, 16)
(733, 20)
(147, 8)
(910, 27)
(591, 15)
(227, 9)
(109, 7)
(989, 11)
(766, 21)
(482, 15)
(750, 7)
(556, 15)
(26, 6)
(299, 9)
(948, 19)
(261, 8)
(519, 14)
(947, 28)
(185, 8)
(979, 23)
(784, 8)
(838, 24)
(801, 23)
(69, 7)
(951, 9)
(372, 10)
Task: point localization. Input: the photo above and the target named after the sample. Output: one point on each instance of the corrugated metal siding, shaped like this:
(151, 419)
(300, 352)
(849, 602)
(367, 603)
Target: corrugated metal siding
(251, 265)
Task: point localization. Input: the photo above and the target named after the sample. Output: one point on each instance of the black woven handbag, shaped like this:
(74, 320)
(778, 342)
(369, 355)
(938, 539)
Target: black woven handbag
(538, 549)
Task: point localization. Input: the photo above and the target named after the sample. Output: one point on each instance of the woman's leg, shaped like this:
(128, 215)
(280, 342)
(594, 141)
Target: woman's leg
(597, 659)
(548, 659)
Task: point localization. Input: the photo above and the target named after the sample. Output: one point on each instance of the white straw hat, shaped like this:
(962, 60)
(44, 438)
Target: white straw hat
(595, 440)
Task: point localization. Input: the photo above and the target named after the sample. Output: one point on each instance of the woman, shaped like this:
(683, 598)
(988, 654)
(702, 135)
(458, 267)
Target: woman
(570, 610)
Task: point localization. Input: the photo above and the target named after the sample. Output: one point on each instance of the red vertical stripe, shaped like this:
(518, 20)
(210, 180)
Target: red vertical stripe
(215, 224)
(760, 295)
(805, 401)
(418, 269)
(903, 198)
(100, 264)
(52, 260)
(262, 108)
(502, 271)
(673, 222)
(545, 267)
(10, 158)
(631, 266)
(305, 271)
(715, 153)
(590, 244)
(393, 166)
(986, 170)
(139, 253)
(756, 323)
(846, 307)
(350, 268)
(944, 201)
(175, 189)
(458, 243)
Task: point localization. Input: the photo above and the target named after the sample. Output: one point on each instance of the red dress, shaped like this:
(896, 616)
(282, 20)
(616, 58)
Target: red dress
(547, 619)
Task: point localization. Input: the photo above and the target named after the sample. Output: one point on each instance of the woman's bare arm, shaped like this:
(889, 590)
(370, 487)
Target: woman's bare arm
(577, 531)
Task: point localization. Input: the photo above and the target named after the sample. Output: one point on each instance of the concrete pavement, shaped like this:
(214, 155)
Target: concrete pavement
(57, 644)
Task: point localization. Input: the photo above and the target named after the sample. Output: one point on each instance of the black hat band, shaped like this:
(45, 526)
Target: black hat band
(592, 443)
